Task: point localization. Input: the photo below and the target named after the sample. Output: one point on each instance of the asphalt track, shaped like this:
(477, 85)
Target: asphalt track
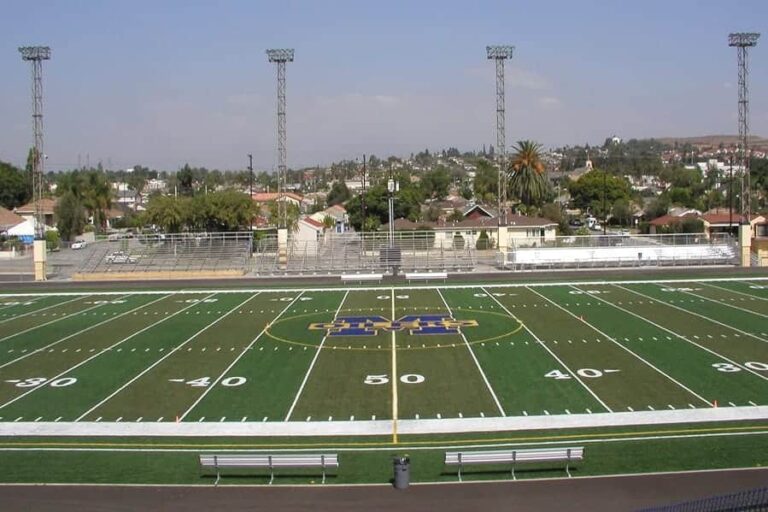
(618, 493)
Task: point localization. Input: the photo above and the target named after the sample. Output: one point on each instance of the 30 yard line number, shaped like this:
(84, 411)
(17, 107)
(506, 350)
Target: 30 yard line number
(39, 381)
(732, 368)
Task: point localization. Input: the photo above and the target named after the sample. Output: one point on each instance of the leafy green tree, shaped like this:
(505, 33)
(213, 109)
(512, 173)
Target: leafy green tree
(292, 215)
(14, 188)
(166, 212)
(589, 190)
(97, 197)
(527, 180)
(486, 181)
(436, 182)
(70, 216)
(622, 211)
(185, 179)
(455, 216)
(339, 194)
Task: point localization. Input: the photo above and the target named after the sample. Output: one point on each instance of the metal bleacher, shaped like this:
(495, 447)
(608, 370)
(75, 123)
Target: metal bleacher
(169, 253)
(338, 253)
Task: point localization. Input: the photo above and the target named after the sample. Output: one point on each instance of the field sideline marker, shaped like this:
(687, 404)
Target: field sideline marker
(648, 363)
(538, 340)
(135, 378)
(474, 358)
(312, 364)
(383, 288)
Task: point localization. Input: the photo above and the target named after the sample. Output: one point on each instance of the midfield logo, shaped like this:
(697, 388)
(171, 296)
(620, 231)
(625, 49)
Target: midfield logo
(414, 324)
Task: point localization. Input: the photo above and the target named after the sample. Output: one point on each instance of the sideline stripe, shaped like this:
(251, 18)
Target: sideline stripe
(312, 364)
(542, 345)
(693, 313)
(595, 437)
(477, 363)
(384, 288)
(628, 350)
(172, 351)
(394, 373)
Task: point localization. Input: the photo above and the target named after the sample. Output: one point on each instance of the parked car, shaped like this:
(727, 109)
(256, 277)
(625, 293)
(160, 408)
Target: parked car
(120, 257)
(78, 244)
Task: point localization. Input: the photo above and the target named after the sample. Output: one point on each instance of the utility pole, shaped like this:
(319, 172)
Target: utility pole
(250, 179)
(362, 199)
(499, 54)
(730, 196)
(280, 57)
(36, 55)
(741, 41)
(605, 211)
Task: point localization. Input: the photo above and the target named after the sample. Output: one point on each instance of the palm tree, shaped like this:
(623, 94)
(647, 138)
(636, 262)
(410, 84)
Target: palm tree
(527, 180)
(97, 198)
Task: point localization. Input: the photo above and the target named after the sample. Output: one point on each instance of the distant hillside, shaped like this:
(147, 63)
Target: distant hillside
(755, 141)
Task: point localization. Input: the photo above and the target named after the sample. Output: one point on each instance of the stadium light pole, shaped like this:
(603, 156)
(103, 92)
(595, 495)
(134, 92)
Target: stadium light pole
(250, 186)
(499, 54)
(280, 57)
(741, 41)
(36, 55)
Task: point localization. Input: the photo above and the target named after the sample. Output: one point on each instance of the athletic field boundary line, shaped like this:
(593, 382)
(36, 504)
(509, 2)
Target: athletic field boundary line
(387, 288)
(403, 447)
(379, 427)
(732, 291)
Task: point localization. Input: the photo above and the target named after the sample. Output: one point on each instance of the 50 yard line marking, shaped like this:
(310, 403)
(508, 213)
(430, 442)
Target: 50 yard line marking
(394, 373)
(312, 364)
(472, 353)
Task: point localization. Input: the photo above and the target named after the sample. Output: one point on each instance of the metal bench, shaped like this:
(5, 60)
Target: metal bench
(514, 457)
(265, 461)
(362, 277)
(425, 276)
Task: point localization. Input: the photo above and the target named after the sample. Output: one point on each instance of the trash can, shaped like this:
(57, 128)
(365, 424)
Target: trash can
(402, 467)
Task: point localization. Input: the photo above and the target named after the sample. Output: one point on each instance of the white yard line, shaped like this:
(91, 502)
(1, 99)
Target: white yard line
(312, 364)
(542, 345)
(97, 354)
(721, 303)
(731, 291)
(80, 296)
(381, 427)
(474, 358)
(692, 313)
(169, 354)
(65, 338)
(610, 338)
(386, 288)
(245, 351)
(65, 316)
(678, 335)
(393, 379)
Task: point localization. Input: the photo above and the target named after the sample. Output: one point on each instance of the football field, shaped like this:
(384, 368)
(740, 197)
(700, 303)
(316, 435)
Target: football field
(384, 360)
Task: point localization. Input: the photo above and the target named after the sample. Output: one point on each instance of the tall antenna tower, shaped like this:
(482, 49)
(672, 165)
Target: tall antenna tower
(36, 55)
(742, 41)
(281, 56)
(500, 54)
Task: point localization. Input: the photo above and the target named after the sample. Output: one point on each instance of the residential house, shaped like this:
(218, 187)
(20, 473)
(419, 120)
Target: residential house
(47, 205)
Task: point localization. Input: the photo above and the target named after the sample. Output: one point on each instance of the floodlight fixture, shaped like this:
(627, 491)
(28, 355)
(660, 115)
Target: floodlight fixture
(280, 55)
(499, 51)
(743, 38)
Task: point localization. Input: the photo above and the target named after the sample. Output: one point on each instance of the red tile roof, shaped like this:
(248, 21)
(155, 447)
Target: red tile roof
(47, 204)
(8, 219)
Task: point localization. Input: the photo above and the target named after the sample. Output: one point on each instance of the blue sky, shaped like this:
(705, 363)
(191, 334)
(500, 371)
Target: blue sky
(161, 83)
